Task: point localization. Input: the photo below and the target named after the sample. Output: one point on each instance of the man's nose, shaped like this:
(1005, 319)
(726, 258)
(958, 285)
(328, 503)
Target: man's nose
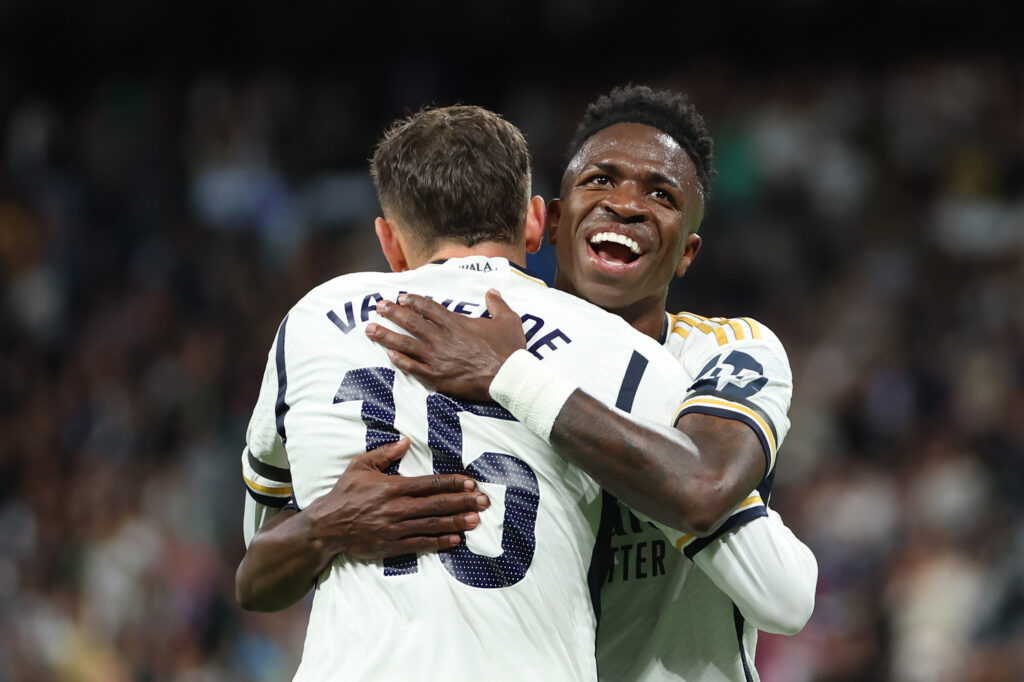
(626, 201)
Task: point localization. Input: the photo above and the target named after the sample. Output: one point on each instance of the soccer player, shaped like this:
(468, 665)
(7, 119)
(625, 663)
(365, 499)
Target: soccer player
(631, 202)
(510, 600)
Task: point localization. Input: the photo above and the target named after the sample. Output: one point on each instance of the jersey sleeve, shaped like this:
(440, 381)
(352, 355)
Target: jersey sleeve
(265, 468)
(766, 571)
(740, 372)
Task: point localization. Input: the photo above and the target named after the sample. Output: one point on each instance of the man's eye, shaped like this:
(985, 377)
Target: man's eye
(599, 179)
(662, 195)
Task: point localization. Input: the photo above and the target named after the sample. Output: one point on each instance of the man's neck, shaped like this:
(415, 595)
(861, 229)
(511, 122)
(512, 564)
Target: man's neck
(515, 253)
(645, 318)
(647, 315)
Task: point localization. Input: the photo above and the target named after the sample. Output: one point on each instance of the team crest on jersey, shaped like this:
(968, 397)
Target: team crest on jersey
(736, 374)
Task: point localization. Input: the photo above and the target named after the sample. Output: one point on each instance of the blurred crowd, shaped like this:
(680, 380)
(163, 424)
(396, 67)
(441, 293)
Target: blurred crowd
(153, 235)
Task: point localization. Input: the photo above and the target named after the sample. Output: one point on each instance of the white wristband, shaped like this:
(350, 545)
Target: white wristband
(532, 393)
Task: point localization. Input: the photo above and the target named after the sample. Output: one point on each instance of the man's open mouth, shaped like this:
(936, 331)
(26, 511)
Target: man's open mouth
(614, 248)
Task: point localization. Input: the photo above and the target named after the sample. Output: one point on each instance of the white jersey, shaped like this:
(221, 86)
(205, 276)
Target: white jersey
(512, 601)
(661, 616)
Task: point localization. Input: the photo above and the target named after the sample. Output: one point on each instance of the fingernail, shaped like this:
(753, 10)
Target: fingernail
(403, 298)
(469, 484)
(472, 518)
(383, 305)
(482, 501)
(371, 329)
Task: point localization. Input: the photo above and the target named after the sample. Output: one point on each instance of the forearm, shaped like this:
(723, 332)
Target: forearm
(281, 563)
(367, 515)
(657, 470)
(687, 478)
(767, 572)
(687, 481)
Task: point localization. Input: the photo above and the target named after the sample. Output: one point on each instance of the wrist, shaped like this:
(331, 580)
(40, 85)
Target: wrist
(325, 545)
(532, 393)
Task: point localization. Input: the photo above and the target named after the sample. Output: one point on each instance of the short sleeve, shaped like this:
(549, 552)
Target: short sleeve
(265, 468)
(740, 371)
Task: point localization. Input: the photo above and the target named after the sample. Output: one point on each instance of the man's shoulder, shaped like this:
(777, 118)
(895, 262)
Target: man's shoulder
(574, 308)
(599, 326)
(344, 302)
(687, 332)
(559, 300)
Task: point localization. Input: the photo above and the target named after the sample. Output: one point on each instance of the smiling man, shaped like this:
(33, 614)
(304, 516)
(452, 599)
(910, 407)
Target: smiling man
(641, 170)
(624, 256)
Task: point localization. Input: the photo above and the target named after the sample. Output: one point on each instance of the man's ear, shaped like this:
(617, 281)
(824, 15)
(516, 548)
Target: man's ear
(693, 242)
(536, 217)
(554, 214)
(391, 245)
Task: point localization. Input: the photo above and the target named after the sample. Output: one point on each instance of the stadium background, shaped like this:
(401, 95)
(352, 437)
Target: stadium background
(175, 174)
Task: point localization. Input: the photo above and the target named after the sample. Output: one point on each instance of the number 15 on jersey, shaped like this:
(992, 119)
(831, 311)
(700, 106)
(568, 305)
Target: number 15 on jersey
(374, 386)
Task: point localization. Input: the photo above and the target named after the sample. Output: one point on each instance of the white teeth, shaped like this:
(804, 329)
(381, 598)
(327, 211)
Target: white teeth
(601, 237)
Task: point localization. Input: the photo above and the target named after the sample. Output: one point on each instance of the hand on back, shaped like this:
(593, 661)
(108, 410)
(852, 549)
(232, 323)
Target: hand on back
(371, 515)
(452, 353)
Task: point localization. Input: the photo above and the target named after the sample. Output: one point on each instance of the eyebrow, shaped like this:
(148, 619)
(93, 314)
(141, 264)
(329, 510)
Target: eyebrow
(651, 176)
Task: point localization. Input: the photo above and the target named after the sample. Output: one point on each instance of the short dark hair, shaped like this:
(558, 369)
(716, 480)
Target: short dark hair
(457, 173)
(668, 111)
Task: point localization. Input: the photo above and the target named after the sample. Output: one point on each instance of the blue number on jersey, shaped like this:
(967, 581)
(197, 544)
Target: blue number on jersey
(374, 386)
(522, 496)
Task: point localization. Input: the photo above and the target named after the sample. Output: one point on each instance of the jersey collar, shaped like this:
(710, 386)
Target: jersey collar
(665, 328)
(525, 271)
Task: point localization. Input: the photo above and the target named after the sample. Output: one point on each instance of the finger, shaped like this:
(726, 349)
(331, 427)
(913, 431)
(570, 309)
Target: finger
(421, 486)
(402, 343)
(436, 525)
(423, 544)
(436, 505)
(496, 304)
(380, 458)
(411, 366)
(408, 319)
(427, 309)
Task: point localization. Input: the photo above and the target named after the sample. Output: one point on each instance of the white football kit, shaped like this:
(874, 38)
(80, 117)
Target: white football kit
(693, 614)
(512, 602)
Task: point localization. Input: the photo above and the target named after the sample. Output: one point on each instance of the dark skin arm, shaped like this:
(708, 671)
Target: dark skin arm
(367, 515)
(688, 478)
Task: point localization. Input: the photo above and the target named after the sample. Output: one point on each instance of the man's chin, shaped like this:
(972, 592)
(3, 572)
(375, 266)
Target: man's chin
(607, 293)
(607, 286)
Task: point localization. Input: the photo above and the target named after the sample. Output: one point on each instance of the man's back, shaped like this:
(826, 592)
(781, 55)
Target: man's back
(512, 601)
